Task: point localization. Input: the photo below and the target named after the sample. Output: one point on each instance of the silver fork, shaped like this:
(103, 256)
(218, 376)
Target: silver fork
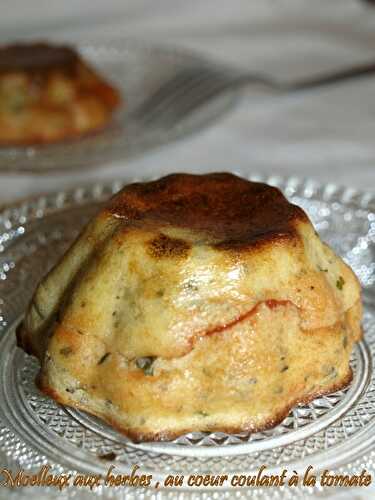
(194, 86)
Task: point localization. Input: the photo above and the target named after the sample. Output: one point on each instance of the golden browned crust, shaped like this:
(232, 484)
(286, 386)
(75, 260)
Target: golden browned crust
(48, 94)
(164, 246)
(194, 303)
(233, 212)
(37, 57)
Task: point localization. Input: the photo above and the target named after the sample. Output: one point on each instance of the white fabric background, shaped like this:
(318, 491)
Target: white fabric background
(327, 134)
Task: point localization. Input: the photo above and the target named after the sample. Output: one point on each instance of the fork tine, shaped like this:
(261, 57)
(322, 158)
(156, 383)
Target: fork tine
(185, 91)
(165, 91)
(198, 96)
(164, 106)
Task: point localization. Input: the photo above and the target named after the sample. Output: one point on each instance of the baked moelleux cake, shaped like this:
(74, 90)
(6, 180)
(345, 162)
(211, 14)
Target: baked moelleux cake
(194, 303)
(48, 93)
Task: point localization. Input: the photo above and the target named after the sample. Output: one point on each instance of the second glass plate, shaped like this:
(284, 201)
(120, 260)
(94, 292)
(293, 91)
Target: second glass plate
(137, 70)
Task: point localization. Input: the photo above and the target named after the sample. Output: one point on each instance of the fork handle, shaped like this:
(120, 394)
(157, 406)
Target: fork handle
(320, 80)
(338, 76)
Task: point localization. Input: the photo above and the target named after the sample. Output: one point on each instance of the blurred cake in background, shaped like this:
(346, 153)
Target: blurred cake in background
(48, 94)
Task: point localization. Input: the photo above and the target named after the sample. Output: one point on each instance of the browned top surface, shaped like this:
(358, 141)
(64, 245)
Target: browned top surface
(232, 212)
(36, 57)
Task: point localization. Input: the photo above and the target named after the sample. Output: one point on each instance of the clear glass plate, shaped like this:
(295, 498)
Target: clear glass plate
(138, 70)
(332, 432)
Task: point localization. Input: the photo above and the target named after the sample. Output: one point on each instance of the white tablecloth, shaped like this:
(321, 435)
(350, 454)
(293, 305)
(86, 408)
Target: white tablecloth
(326, 134)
